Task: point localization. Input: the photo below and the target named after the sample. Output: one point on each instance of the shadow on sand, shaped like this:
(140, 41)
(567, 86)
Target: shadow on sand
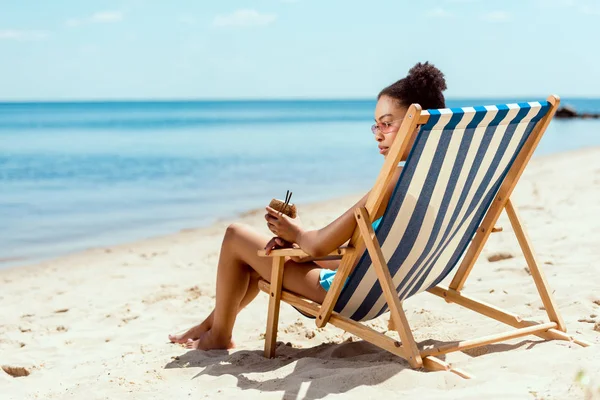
(313, 368)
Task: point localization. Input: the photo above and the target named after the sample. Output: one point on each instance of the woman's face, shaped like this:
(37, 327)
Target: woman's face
(388, 118)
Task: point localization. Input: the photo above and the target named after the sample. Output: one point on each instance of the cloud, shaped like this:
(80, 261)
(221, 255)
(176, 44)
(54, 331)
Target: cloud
(13, 34)
(244, 18)
(496, 16)
(438, 12)
(101, 17)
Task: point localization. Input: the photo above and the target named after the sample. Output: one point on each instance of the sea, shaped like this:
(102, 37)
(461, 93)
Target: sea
(79, 175)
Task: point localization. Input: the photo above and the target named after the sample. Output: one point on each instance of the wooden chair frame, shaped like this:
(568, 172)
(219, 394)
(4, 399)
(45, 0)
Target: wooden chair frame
(365, 236)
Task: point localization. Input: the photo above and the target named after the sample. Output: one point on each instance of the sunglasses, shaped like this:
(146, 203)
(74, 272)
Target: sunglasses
(385, 127)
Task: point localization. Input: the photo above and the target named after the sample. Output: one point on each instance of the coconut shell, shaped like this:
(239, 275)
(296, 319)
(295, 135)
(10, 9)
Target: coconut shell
(290, 209)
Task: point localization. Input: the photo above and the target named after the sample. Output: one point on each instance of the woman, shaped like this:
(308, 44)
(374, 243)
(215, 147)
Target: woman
(240, 267)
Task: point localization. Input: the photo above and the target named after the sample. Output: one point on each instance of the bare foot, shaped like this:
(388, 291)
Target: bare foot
(191, 344)
(208, 342)
(193, 333)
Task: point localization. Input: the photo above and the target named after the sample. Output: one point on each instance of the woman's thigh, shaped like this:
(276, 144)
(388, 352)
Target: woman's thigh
(300, 278)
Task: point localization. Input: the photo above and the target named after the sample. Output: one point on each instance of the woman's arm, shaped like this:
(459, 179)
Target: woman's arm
(320, 242)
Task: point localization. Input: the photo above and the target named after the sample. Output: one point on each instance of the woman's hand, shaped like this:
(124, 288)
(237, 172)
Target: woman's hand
(279, 243)
(288, 229)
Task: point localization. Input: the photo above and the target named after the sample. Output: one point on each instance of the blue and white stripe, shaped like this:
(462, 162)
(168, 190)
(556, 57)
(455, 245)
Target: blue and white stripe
(458, 162)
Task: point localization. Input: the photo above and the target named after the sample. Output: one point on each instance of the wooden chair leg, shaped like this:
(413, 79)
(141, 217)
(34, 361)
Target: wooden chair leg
(536, 271)
(400, 323)
(389, 290)
(435, 364)
(274, 302)
(391, 325)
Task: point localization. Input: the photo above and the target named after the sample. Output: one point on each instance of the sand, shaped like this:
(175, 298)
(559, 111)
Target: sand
(95, 324)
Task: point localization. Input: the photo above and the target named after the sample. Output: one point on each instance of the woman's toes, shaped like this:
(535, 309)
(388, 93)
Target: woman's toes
(176, 338)
(191, 344)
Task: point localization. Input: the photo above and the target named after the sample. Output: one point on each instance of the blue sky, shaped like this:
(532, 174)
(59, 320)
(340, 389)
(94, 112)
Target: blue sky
(135, 49)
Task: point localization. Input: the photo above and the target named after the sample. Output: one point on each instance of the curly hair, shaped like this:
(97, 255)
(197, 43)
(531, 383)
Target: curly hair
(424, 85)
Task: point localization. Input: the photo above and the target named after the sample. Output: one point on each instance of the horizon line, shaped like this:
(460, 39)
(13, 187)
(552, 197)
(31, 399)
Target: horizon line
(250, 99)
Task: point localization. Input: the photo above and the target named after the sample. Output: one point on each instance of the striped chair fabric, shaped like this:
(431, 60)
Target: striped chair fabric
(459, 159)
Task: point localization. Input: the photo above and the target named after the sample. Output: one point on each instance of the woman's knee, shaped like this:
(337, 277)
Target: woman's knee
(241, 239)
(244, 242)
(235, 231)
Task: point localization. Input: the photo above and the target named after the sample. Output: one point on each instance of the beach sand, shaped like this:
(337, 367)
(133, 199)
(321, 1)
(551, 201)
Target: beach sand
(95, 324)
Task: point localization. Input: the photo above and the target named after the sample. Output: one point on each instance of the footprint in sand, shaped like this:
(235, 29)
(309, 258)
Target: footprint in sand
(500, 256)
(587, 320)
(193, 293)
(155, 298)
(126, 320)
(15, 372)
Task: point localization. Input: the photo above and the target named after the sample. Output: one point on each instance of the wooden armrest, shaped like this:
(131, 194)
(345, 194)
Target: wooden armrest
(301, 253)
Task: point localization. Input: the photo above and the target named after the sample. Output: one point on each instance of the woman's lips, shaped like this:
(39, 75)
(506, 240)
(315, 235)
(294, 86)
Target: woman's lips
(383, 150)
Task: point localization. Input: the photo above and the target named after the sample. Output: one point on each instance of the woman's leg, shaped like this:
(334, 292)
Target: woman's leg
(195, 332)
(236, 236)
(238, 263)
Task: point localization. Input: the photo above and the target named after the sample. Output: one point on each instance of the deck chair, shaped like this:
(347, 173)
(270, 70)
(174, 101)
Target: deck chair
(458, 178)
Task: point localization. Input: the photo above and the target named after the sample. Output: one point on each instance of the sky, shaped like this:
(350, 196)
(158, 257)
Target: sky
(269, 49)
